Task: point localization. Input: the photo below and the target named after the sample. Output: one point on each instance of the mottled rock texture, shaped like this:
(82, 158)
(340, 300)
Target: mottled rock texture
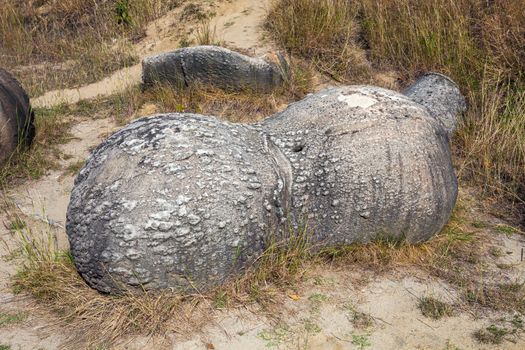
(16, 116)
(214, 66)
(441, 96)
(182, 200)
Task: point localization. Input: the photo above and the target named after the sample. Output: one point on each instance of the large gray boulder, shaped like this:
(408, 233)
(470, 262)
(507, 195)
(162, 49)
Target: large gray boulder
(16, 116)
(172, 200)
(214, 66)
(187, 201)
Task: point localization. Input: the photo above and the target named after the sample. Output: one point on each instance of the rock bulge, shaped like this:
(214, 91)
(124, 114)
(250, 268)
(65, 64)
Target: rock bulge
(187, 201)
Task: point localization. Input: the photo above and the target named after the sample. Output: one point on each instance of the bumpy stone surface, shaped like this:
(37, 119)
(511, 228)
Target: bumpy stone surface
(213, 66)
(181, 200)
(16, 116)
(172, 200)
(365, 162)
(441, 96)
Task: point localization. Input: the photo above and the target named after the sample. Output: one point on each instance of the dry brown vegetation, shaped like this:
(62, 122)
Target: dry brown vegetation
(52, 44)
(480, 44)
(458, 255)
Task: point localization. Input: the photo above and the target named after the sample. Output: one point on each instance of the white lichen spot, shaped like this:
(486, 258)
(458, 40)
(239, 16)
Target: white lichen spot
(114, 186)
(182, 199)
(129, 205)
(183, 211)
(162, 215)
(357, 100)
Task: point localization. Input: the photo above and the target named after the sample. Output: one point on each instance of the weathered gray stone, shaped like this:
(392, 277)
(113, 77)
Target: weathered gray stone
(16, 116)
(181, 200)
(172, 199)
(214, 66)
(365, 162)
(441, 96)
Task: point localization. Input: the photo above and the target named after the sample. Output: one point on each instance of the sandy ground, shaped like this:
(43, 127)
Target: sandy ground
(323, 315)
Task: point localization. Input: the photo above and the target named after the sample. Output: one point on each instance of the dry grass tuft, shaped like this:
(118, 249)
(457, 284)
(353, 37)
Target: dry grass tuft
(323, 31)
(245, 106)
(206, 34)
(434, 308)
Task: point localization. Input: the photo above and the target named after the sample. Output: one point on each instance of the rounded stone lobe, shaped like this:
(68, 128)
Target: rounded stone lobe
(183, 201)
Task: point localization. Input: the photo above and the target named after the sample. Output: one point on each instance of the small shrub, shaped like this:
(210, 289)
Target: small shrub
(7, 319)
(491, 335)
(122, 12)
(361, 341)
(433, 308)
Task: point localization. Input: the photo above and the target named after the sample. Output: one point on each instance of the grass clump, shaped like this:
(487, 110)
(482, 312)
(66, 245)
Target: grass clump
(508, 330)
(52, 129)
(235, 106)
(360, 320)
(434, 308)
(491, 335)
(361, 341)
(323, 31)
(7, 319)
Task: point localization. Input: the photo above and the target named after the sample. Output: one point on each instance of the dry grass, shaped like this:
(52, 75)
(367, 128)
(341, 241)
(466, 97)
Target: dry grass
(68, 42)
(49, 275)
(323, 31)
(434, 308)
(491, 144)
(480, 44)
(206, 34)
(52, 129)
(245, 106)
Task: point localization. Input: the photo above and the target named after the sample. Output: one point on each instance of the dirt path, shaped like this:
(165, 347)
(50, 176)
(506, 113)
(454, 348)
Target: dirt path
(237, 23)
